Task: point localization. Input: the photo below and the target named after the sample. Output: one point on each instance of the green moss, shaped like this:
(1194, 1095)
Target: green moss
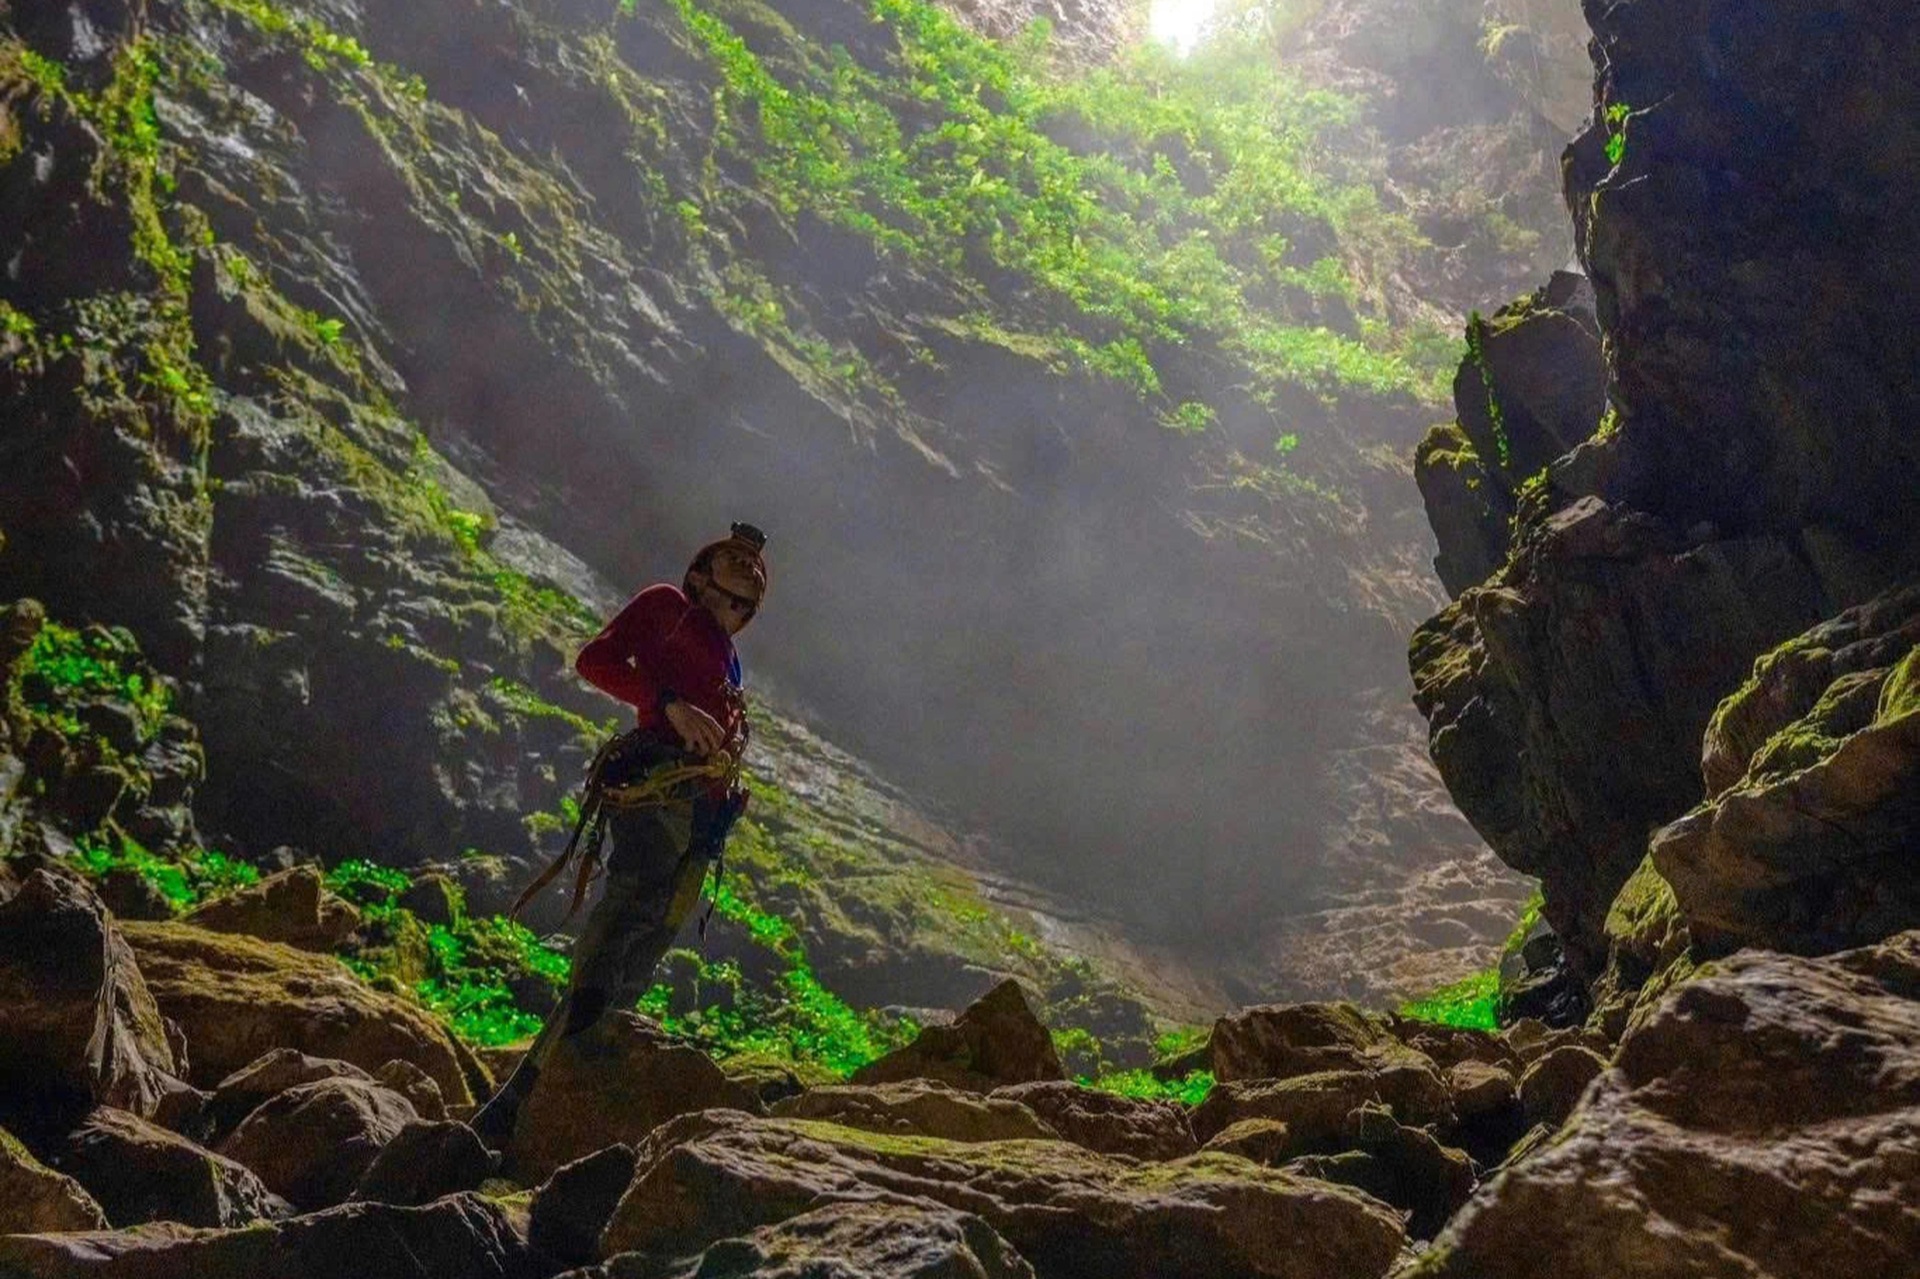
(1477, 352)
(184, 880)
(1900, 695)
(73, 665)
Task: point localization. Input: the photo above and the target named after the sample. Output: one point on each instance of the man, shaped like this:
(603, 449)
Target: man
(669, 653)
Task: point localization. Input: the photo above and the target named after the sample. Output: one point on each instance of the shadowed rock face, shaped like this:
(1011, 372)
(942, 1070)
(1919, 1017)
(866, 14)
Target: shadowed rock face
(1760, 1121)
(78, 1024)
(1757, 470)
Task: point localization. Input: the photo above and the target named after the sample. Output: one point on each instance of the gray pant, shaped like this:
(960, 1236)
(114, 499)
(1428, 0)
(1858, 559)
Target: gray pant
(652, 885)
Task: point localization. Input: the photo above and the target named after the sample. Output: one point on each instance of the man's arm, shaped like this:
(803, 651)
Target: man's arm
(618, 660)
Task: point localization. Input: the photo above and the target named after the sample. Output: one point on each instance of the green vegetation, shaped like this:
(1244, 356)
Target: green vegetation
(63, 666)
(1474, 1001)
(1190, 1090)
(793, 1017)
(1617, 115)
(185, 881)
(1200, 198)
(1477, 352)
(1471, 1002)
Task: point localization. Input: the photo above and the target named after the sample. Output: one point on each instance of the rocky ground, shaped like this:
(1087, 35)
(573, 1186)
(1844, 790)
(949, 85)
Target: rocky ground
(181, 1101)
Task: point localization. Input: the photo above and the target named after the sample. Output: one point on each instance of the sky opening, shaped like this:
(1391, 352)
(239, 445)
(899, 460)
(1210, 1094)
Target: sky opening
(1178, 22)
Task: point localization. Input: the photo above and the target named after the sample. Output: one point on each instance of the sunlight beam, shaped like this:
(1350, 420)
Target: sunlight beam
(1179, 22)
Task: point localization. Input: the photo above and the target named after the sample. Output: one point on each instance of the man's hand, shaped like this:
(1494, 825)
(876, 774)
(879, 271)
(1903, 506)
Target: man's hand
(699, 730)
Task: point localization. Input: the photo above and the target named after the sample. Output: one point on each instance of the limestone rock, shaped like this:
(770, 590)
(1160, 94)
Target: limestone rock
(612, 1084)
(1631, 632)
(424, 1160)
(1264, 1141)
(312, 1142)
(573, 1206)
(1068, 1211)
(1399, 1165)
(268, 1075)
(1808, 847)
(458, 1235)
(33, 1197)
(922, 1107)
(1315, 1107)
(995, 1040)
(1552, 1085)
(238, 997)
(78, 1024)
(883, 1240)
(416, 1085)
(1479, 1089)
(1648, 948)
(1532, 389)
(1760, 1120)
(1273, 1041)
(138, 1171)
(290, 906)
(1758, 476)
(1107, 1122)
(1448, 1046)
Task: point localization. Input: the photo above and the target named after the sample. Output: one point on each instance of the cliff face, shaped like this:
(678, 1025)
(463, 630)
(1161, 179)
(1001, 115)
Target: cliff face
(371, 309)
(1738, 200)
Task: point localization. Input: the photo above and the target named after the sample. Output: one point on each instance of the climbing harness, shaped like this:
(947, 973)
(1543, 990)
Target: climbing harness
(654, 786)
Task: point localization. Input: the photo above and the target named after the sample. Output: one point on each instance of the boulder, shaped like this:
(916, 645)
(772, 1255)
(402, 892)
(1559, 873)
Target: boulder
(1479, 1089)
(1806, 844)
(1552, 1085)
(312, 1142)
(887, 1240)
(268, 1075)
(612, 1084)
(416, 1085)
(1315, 1107)
(995, 1040)
(1761, 1120)
(1070, 1212)
(34, 1198)
(458, 1235)
(138, 1171)
(1399, 1165)
(1106, 1122)
(1448, 1046)
(1273, 1041)
(1264, 1141)
(922, 1107)
(127, 894)
(434, 897)
(238, 997)
(424, 1160)
(291, 907)
(573, 1206)
(78, 1024)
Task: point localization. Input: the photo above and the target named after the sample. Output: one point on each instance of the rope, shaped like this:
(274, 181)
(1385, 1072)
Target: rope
(654, 790)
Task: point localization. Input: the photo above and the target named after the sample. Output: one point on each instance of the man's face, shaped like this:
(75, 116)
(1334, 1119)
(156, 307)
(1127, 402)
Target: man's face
(729, 592)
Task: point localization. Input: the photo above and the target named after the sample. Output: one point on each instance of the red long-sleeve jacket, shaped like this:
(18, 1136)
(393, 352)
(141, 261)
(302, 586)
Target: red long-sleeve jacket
(661, 640)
